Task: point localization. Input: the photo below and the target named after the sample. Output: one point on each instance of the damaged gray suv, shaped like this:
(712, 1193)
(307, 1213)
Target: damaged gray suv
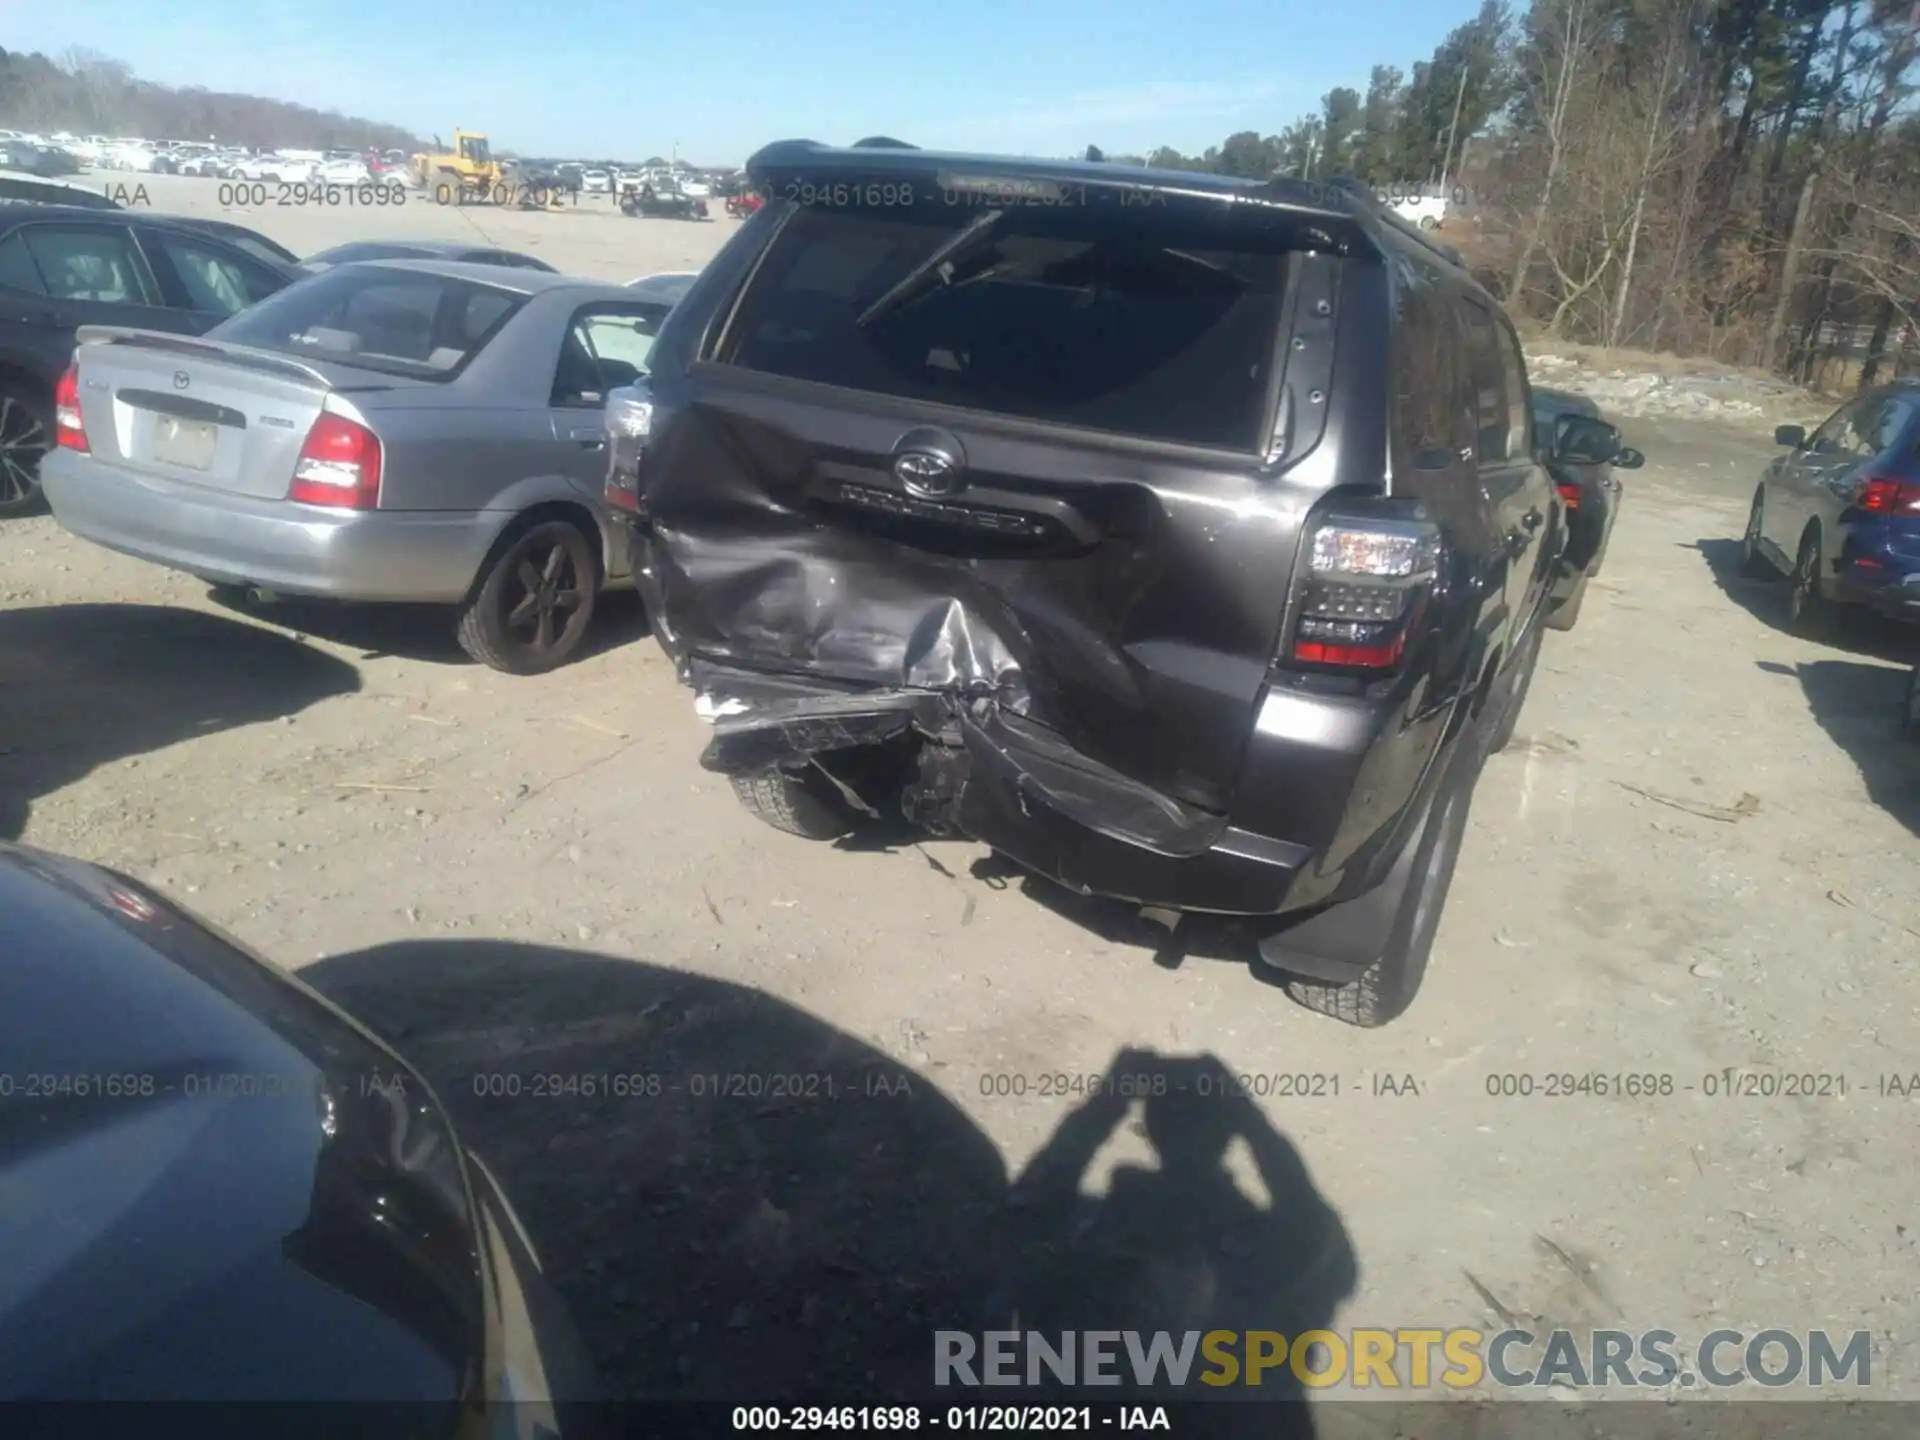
(1179, 537)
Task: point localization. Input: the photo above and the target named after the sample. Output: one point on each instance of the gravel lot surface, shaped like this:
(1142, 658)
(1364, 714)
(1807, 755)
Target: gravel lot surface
(1697, 859)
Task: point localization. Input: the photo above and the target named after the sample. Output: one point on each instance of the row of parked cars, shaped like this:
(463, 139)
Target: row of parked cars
(231, 461)
(1193, 546)
(943, 538)
(65, 155)
(1006, 522)
(610, 179)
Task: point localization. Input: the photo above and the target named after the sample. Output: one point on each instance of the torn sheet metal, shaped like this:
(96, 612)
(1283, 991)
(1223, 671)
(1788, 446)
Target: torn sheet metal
(761, 722)
(1145, 652)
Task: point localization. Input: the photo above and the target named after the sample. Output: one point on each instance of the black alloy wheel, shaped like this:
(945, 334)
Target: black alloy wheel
(26, 434)
(1809, 609)
(536, 602)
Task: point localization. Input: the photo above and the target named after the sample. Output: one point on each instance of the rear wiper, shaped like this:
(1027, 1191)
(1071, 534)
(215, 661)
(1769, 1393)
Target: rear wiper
(937, 266)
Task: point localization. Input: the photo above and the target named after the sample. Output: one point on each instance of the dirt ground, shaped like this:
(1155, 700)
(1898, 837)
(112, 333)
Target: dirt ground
(1697, 857)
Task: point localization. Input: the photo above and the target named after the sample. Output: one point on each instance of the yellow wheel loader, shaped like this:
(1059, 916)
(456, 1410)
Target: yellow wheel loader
(466, 174)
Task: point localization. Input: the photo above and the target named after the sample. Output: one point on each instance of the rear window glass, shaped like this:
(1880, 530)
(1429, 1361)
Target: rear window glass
(395, 321)
(368, 250)
(1056, 314)
(256, 246)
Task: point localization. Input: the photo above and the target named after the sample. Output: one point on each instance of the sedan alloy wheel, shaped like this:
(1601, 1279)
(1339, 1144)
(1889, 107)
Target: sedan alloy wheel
(24, 440)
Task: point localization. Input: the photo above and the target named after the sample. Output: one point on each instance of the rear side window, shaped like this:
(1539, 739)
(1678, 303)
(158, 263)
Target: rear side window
(394, 321)
(17, 270)
(1061, 315)
(1426, 350)
(216, 280)
(1486, 384)
(604, 349)
(89, 263)
(1513, 374)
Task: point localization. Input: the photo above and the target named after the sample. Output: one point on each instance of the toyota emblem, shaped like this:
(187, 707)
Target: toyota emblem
(181, 380)
(927, 474)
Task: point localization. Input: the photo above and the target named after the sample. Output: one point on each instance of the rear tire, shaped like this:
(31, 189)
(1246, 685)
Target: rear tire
(1753, 561)
(534, 604)
(1385, 990)
(1810, 612)
(26, 434)
(794, 804)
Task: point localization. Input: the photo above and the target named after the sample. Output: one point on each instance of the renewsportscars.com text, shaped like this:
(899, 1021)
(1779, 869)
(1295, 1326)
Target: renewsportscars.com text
(1412, 1359)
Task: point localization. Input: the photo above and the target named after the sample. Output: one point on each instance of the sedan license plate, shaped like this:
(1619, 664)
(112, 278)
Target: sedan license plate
(186, 443)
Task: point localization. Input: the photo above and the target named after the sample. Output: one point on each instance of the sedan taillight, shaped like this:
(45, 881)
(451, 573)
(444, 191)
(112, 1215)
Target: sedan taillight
(1368, 581)
(69, 430)
(339, 466)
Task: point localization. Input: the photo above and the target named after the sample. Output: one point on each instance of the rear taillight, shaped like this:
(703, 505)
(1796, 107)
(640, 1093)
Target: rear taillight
(629, 419)
(69, 430)
(1367, 582)
(1881, 496)
(339, 466)
(1569, 496)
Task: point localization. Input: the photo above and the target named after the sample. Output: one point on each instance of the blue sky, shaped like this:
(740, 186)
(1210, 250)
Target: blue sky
(620, 78)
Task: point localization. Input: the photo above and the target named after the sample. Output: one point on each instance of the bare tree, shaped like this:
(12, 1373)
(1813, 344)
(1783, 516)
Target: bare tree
(1549, 74)
(1809, 188)
(87, 92)
(1664, 138)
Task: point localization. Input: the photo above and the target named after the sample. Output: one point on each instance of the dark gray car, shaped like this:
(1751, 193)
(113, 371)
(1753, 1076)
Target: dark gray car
(403, 431)
(1584, 451)
(1181, 538)
(63, 266)
(461, 251)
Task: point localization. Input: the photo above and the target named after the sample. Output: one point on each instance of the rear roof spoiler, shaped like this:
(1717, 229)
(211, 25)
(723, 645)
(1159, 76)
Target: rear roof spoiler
(1369, 204)
(243, 355)
(1343, 202)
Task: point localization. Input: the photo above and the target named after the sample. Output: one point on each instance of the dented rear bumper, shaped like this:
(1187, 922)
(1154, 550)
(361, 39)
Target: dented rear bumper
(1016, 786)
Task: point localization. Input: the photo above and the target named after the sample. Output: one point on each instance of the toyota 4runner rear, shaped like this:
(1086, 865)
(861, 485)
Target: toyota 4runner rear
(1178, 537)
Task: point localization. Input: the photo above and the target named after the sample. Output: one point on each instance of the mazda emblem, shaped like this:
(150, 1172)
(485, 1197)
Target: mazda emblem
(181, 380)
(927, 474)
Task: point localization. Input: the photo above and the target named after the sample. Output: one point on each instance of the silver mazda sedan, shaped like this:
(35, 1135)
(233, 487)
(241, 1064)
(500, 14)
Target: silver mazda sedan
(410, 430)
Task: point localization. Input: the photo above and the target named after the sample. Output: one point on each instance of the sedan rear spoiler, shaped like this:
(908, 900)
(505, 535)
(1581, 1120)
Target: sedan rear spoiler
(245, 356)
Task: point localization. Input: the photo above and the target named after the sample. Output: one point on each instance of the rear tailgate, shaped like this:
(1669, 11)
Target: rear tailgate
(1100, 568)
(224, 417)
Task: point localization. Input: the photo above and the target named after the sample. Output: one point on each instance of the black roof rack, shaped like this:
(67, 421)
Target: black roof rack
(1369, 204)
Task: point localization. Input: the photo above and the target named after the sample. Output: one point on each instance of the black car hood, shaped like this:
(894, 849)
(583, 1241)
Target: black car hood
(215, 1185)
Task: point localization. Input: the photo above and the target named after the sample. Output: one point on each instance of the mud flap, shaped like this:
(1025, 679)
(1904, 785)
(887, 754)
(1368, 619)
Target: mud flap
(1336, 944)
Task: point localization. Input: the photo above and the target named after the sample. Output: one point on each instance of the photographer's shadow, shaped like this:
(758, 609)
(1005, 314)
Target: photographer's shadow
(1182, 1246)
(717, 1240)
